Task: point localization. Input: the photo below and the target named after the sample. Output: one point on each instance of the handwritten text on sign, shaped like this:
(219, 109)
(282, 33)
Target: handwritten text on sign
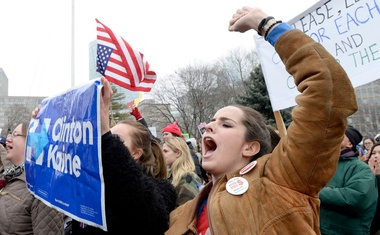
(346, 28)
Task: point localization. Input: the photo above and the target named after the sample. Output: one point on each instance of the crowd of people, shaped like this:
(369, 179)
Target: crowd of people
(248, 180)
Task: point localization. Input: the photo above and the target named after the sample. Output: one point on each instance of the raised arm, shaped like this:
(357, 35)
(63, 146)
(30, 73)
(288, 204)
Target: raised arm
(307, 157)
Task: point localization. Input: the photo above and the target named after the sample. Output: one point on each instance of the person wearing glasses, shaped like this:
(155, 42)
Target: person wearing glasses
(368, 142)
(20, 211)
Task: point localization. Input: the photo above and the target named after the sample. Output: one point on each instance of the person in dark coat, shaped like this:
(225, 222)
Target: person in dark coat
(135, 202)
(348, 201)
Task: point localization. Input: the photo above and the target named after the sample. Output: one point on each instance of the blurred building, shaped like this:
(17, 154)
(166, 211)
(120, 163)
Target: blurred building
(92, 60)
(155, 115)
(3, 83)
(158, 115)
(367, 118)
(14, 109)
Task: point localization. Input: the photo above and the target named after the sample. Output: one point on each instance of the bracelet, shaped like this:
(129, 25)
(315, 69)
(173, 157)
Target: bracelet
(270, 27)
(262, 23)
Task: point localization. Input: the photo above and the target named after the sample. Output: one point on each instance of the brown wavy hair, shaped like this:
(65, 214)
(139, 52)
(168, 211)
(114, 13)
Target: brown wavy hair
(257, 130)
(142, 138)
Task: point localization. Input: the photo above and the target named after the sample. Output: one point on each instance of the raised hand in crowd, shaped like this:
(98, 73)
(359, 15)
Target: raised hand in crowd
(251, 179)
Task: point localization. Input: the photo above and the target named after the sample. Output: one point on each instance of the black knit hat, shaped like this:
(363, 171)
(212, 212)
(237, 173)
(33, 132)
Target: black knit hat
(354, 136)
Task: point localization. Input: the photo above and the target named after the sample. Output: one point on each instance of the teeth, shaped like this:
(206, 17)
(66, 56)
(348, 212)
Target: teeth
(207, 139)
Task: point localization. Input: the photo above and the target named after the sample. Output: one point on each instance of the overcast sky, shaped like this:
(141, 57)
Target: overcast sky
(36, 35)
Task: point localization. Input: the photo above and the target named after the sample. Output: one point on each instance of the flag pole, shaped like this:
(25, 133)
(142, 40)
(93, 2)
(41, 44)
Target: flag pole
(280, 123)
(72, 44)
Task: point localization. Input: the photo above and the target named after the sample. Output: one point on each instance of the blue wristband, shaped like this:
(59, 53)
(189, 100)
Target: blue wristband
(275, 34)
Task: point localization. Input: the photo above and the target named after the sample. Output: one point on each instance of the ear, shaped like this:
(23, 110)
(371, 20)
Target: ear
(178, 154)
(251, 148)
(136, 154)
(349, 145)
(346, 143)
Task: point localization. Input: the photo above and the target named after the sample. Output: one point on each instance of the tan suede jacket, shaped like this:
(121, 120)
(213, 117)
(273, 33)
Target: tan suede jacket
(283, 187)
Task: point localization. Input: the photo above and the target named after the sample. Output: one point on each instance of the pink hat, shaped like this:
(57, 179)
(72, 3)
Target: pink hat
(173, 128)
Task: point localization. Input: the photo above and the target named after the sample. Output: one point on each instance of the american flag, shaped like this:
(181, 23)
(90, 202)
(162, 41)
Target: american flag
(120, 63)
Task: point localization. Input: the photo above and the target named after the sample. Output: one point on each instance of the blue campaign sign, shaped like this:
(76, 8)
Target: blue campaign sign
(63, 154)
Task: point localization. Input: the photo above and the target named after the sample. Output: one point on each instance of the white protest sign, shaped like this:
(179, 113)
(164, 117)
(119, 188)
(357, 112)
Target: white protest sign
(348, 29)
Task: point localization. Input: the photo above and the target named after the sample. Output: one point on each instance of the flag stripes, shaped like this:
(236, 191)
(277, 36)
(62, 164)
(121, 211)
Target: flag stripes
(120, 63)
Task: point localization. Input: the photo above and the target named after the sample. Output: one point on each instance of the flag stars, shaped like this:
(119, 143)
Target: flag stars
(129, 68)
(102, 58)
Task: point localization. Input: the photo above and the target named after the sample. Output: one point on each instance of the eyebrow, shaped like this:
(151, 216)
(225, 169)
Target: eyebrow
(223, 119)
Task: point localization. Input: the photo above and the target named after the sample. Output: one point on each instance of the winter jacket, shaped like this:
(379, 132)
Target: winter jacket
(22, 213)
(188, 187)
(196, 160)
(348, 202)
(282, 197)
(135, 203)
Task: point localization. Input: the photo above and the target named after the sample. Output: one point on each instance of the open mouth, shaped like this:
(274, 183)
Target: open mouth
(209, 145)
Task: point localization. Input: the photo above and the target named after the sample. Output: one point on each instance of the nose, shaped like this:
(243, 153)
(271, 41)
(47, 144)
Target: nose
(209, 127)
(9, 138)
